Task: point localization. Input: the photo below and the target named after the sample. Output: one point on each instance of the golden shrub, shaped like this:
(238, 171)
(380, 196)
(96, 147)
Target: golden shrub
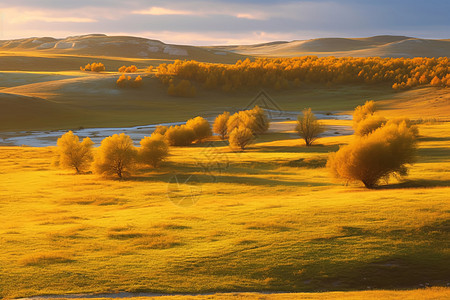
(201, 127)
(308, 127)
(240, 137)
(220, 124)
(153, 150)
(180, 135)
(74, 154)
(369, 158)
(115, 156)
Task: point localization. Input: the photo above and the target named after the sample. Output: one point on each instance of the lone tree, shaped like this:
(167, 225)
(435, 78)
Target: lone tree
(201, 127)
(240, 137)
(308, 127)
(220, 124)
(383, 152)
(115, 156)
(74, 154)
(153, 150)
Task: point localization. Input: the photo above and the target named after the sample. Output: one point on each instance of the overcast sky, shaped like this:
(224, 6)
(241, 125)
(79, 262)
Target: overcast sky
(202, 22)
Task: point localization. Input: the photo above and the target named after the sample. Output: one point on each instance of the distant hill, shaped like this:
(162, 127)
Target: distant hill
(116, 46)
(142, 48)
(383, 46)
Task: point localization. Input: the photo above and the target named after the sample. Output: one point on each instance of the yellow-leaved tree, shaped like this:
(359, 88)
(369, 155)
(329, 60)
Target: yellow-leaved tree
(385, 151)
(240, 137)
(74, 154)
(220, 124)
(308, 127)
(201, 127)
(154, 149)
(115, 156)
(180, 135)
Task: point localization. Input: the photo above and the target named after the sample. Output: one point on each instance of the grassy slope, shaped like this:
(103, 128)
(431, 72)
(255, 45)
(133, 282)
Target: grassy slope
(383, 46)
(77, 99)
(45, 91)
(260, 225)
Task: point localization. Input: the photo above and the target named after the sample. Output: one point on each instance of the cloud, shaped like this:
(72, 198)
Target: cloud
(226, 21)
(161, 11)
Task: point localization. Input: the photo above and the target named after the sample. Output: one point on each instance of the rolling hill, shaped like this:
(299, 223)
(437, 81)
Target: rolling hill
(142, 48)
(383, 46)
(113, 46)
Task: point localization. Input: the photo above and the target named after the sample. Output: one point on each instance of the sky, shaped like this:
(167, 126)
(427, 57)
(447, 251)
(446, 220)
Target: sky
(223, 22)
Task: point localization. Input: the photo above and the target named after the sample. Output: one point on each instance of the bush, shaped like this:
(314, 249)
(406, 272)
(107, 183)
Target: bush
(130, 69)
(128, 81)
(201, 127)
(115, 156)
(240, 137)
(377, 155)
(153, 150)
(254, 119)
(160, 129)
(182, 89)
(241, 119)
(73, 154)
(180, 135)
(308, 127)
(362, 112)
(369, 124)
(220, 124)
(261, 122)
(94, 67)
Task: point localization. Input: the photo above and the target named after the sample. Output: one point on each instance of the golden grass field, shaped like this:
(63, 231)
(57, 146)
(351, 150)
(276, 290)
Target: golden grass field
(273, 220)
(270, 219)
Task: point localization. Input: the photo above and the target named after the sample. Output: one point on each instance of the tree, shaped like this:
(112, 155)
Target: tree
(160, 129)
(369, 124)
(182, 89)
(122, 81)
(220, 124)
(115, 156)
(180, 135)
(436, 81)
(261, 122)
(94, 67)
(241, 119)
(73, 153)
(127, 81)
(362, 112)
(153, 150)
(201, 127)
(240, 137)
(377, 155)
(308, 127)
(130, 69)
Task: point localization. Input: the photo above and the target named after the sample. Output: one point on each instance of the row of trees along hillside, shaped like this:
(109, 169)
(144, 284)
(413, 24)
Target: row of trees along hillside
(281, 73)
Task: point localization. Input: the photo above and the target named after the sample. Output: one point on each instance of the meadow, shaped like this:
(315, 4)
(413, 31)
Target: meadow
(268, 219)
(212, 220)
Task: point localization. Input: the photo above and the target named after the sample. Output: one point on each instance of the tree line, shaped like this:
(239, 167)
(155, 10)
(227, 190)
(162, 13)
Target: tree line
(282, 73)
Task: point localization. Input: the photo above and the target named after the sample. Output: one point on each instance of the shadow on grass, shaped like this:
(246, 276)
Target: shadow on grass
(297, 149)
(435, 154)
(433, 139)
(418, 183)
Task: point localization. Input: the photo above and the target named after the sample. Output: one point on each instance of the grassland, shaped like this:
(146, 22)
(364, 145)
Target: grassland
(69, 100)
(269, 219)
